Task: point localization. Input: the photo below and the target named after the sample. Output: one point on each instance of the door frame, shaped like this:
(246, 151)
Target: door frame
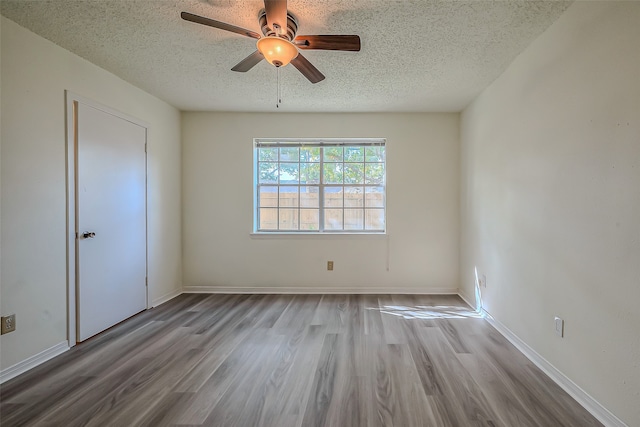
(71, 130)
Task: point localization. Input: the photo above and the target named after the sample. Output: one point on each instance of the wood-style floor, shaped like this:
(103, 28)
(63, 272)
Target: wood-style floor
(283, 360)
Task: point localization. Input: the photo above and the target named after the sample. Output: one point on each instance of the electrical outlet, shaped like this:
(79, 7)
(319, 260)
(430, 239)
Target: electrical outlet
(483, 281)
(330, 265)
(8, 324)
(559, 327)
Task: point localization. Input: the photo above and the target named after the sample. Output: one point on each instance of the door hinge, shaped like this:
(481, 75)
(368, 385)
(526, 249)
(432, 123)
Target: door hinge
(145, 147)
(146, 281)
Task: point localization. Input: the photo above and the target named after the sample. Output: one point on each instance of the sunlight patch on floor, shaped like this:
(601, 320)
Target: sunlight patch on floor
(428, 312)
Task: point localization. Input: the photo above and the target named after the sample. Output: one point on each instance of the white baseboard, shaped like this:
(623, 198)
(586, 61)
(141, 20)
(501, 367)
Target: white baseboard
(582, 397)
(33, 361)
(166, 297)
(315, 290)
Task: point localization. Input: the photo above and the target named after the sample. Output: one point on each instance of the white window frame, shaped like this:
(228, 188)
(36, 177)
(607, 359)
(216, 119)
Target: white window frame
(315, 142)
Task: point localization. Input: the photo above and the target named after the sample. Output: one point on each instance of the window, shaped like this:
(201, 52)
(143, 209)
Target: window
(316, 186)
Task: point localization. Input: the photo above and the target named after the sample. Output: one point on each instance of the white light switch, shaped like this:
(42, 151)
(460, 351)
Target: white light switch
(559, 327)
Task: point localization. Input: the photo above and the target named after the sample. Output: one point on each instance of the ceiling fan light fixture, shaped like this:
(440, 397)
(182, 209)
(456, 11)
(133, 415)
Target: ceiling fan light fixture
(276, 50)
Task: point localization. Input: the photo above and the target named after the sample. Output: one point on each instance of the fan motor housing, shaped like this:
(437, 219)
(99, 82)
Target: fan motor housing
(292, 26)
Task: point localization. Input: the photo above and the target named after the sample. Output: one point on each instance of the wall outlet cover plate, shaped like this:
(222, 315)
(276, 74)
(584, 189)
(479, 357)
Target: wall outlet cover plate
(8, 324)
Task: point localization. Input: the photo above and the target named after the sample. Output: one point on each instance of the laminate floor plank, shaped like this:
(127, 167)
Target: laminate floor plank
(299, 313)
(323, 384)
(291, 361)
(350, 409)
(243, 402)
(288, 387)
(448, 329)
(92, 364)
(330, 313)
(347, 383)
(80, 406)
(510, 396)
(123, 387)
(373, 328)
(386, 396)
(392, 320)
(232, 370)
(224, 315)
(356, 358)
(425, 369)
(514, 412)
(164, 412)
(462, 400)
(531, 387)
(214, 357)
(413, 408)
(272, 306)
(137, 400)
(27, 414)
(267, 383)
(566, 410)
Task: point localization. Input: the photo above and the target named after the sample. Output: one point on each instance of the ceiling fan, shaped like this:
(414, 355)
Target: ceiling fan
(279, 43)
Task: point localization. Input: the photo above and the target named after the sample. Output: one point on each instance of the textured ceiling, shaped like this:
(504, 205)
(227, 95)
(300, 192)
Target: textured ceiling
(420, 55)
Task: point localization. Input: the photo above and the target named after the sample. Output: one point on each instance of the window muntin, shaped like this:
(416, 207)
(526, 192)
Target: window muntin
(335, 186)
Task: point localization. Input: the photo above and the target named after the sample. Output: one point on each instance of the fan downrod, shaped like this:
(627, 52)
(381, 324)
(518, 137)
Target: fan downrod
(289, 34)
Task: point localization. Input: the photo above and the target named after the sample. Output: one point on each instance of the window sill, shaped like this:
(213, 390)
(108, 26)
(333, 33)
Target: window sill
(316, 235)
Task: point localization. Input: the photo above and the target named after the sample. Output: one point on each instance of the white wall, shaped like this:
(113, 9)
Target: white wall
(422, 199)
(35, 74)
(551, 199)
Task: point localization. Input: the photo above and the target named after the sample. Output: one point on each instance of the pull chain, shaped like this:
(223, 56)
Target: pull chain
(278, 97)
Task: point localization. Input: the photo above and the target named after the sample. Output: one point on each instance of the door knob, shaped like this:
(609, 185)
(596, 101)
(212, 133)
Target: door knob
(88, 235)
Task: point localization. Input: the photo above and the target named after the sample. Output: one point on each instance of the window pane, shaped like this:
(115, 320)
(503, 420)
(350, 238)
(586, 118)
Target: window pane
(309, 220)
(333, 219)
(354, 173)
(374, 197)
(353, 197)
(310, 154)
(268, 173)
(374, 154)
(309, 173)
(309, 197)
(268, 219)
(332, 173)
(333, 197)
(289, 173)
(288, 219)
(332, 154)
(374, 219)
(268, 154)
(354, 154)
(353, 219)
(288, 197)
(289, 154)
(374, 173)
(268, 197)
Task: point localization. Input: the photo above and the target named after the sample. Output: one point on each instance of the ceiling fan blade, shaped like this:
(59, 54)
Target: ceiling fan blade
(276, 11)
(307, 69)
(341, 42)
(249, 62)
(217, 24)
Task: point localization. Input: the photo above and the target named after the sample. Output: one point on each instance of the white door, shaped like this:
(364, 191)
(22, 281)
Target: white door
(110, 220)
